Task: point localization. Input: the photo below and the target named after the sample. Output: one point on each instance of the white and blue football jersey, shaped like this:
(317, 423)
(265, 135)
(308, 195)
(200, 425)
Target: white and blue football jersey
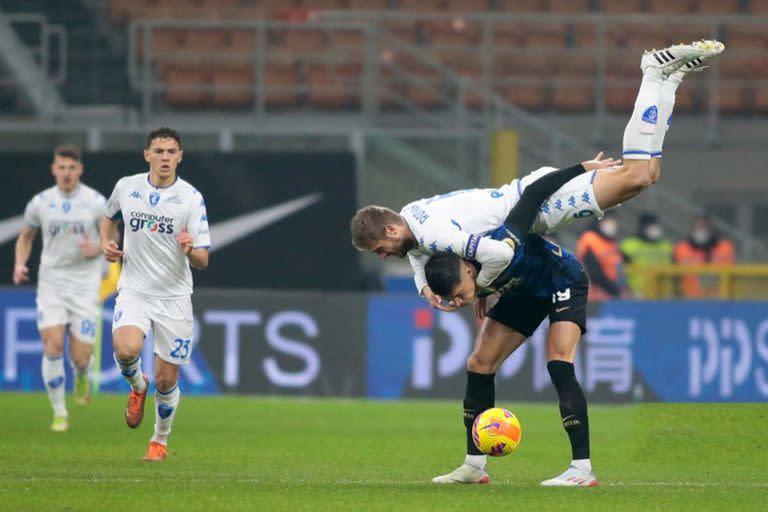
(153, 261)
(65, 220)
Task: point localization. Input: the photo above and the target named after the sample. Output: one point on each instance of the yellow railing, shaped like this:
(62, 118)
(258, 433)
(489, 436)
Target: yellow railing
(726, 282)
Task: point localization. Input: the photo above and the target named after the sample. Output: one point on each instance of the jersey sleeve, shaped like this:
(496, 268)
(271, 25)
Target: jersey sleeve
(494, 256)
(417, 264)
(32, 212)
(197, 222)
(114, 210)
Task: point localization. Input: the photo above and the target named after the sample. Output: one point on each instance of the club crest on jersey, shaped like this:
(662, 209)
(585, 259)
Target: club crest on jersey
(66, 206)
(154, 198)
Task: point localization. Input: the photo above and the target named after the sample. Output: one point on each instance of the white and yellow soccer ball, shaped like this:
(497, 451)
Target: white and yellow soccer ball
(497, 432)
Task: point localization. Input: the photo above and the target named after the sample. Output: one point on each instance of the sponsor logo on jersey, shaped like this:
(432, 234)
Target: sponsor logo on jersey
(66, 228)
(140, 221)
(174, 199)
(135, 194)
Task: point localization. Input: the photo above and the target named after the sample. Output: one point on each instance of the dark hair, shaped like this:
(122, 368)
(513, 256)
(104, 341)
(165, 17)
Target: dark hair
(163, 133)
(67, 151)
(443, 272)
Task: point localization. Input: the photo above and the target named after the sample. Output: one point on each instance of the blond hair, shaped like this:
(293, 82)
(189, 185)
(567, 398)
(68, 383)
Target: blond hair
(369, 223)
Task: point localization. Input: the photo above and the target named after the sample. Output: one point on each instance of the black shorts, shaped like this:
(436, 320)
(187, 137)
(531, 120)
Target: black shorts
(524, 314)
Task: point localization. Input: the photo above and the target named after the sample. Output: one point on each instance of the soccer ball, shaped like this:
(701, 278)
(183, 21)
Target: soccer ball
(496, 432)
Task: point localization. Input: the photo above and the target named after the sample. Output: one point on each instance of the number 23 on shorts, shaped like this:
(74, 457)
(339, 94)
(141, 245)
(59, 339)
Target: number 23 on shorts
(182, 348)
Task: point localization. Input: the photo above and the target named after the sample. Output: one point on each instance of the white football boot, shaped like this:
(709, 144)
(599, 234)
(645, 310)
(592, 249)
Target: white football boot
(711, 48)
(670, 59)
(572, 477)
(464, 474)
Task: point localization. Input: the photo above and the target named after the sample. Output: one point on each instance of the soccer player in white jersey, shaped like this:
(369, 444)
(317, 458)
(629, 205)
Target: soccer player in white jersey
(455, 222)
(68, 214)
(166, 232)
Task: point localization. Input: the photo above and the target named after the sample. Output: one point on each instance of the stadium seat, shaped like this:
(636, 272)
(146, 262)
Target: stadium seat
(119, 10)
(239, 41)
(148, 9)
(759, 7)
(745, 36)
(670, 6)
(685, 99)
(344, 40)
(462, 63)
(453, 32)
(546, 35)
(717, 6)
(736, 66)
(570, 6)
(527, 6)
(195, 9)
(622, 6)
(281, 86)
(425, 90)
(574, 64)
(186, 86)
(572, 97)
(529, 97)
(585, 36)
(419, 5)
(508, 33)
(323, 5)
(620, 97)
(624, 64)
(334, 87)
(298, 40)
(644, 37)
(403, 30)
(733, 98)
(517, 65)
(368, 5)
(233, 86)
(466, 6)
(760, 99)
(205, 41)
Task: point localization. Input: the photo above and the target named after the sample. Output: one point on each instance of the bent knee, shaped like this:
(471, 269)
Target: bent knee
(477, 363)
(641, 174)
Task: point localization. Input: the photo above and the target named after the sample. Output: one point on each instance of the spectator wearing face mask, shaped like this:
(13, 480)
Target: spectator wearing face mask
(704, 246)
(599, 252)
(648, 247)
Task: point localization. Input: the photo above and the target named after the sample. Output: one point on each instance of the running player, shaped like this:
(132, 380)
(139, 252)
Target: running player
(431, 225)
(166, 232)
(68, 215)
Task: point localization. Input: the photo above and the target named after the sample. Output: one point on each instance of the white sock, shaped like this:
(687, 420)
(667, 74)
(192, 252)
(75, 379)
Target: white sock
(131, 370)
(166, 405)
(582, 465)
(477, 461)
(666, 106)
(638, 135)
(55, 383)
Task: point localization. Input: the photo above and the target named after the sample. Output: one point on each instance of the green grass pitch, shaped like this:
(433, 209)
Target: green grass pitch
(245, 453)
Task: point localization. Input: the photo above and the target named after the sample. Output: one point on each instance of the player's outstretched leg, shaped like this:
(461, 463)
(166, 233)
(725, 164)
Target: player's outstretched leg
(644, 133)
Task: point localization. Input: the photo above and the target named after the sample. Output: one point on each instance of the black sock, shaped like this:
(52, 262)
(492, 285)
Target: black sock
(573, 407)
(480, 395)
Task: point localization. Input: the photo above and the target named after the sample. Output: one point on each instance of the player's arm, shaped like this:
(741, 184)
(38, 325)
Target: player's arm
(108, 235)
(420, 278)
(21, 254)
(195, 238)
(198, 256)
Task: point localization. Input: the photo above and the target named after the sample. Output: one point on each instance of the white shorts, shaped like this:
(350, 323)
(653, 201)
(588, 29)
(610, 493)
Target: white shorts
(79, 310)
(573, 201)
(170, 321)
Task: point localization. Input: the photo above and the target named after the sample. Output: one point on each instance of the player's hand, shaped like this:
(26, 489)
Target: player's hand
(481, 307)
(436, 301)
(185, 241)
(599, 163)
(20, 274)
(88, 248)
(111, 251)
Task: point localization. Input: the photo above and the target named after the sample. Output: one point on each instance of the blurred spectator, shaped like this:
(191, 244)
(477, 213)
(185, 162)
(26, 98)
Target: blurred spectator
(598, 251)
(648, 247)
(704, 246)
